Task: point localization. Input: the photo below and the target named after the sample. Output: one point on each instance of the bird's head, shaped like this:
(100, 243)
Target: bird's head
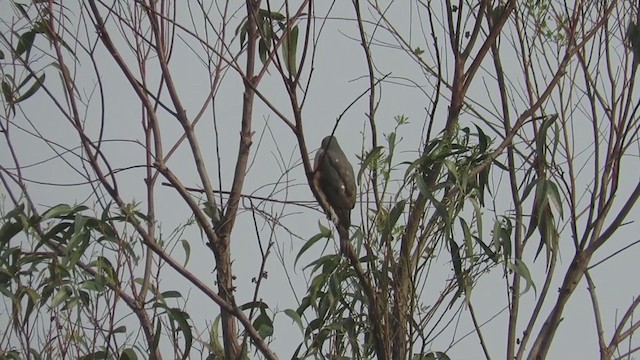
(330, 142)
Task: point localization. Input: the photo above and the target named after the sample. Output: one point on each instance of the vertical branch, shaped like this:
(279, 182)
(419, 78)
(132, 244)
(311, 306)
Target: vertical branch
(382, 340)
(223, 249)
(547, 332)
(381, 320)
(597, 236)
(153, 146)
(514, 300)
(219, 241)
(246, 132)
(591, 287)
(372, 95)
(459, 86)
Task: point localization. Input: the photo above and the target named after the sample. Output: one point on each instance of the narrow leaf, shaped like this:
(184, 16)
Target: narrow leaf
(520, 268)
(309, 244)
(7, 92)
(263, 50)
(393, 217)
(295, 317)
(187, 251)
(289, 50)
(128, 354)
(63, 294)
(370, 160)
(25, 42)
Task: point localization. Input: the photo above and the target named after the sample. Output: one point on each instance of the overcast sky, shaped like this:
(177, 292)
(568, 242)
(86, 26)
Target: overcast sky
(338, 78)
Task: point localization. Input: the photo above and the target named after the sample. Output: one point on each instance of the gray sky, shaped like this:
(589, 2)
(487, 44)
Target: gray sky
(339, 77)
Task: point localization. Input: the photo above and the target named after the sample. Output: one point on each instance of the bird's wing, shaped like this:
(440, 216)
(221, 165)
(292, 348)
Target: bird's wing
(344, 178)
(320, 155)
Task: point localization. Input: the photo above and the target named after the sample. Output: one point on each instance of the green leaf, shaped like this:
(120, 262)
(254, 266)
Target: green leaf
(78, 243)
(466, 232)
(156, 336)
(483, 181)
(311, 242)
(25, 42)
(72, 303)
(107, 270)
(32, 90)
(483, 140)
(181, 317)
(8, 231)
(539, 204)
(548, 233)
(289, 50)
(325, 231)
(453, 169)
(541, 136)
(61, 210)
(295, 317)
(35, 355)
(271, 15)
(41, 27)
(187, 251)
(633, 37)
(5, 291)
(98, 355)
(457, 262)
(84, 298)
(434, 355)
(171, 294)
(265, 28)
(502, 237)
(520, 268)
(500, 165)
(554, 196)
(304, 305)
(242, 30)
(314, 288)
(263, 50)
(370, 160)
(128, 354)
(424, 189)
(63, 294)
(330, 261)
(214, 342)
(477, 209)
(391, 141)
(93, 285)
(120, 330)
(264, 325)
(487, 250)
(254, 305)
(392, 219)
(32, 299)
(7, 92)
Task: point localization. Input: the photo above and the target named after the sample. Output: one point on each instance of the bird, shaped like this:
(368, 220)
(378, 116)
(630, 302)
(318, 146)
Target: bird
(333, 175)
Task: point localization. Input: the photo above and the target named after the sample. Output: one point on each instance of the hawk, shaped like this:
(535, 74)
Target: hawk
(334, 178)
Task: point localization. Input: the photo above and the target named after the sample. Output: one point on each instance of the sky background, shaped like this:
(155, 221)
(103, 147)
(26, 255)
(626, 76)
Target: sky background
(338, 78)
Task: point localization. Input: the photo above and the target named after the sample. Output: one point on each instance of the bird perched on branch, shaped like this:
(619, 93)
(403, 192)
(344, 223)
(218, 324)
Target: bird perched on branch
(334, 178)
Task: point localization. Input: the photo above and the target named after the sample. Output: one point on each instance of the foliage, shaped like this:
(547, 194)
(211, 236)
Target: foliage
(520, 174)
